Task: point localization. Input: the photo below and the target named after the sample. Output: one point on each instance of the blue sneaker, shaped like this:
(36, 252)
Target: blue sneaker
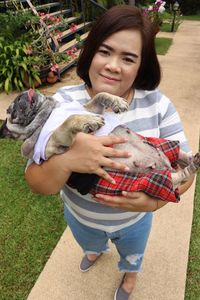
(86, 264)
(120, 293)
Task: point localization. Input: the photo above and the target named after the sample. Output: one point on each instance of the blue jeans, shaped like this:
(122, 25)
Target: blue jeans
(130, 241)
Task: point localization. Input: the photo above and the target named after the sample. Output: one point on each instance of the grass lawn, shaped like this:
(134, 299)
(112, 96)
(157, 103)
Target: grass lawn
(162, 45)
(193, 272)
(191, 18)
(167, 24)
(166, 27)
(31, 226)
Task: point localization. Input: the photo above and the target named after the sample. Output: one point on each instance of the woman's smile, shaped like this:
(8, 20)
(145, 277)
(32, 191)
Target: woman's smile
(116, 63)
(109, 79)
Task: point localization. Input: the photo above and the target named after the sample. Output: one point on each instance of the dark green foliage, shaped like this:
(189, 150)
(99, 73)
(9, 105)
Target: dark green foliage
(189, 7)
(25, 50)
(15, 36)
(110, 3)
(16, 26)
(14, 63)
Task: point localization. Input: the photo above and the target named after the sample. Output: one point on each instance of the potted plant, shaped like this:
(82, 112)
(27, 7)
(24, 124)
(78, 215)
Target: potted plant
(14, 37)
(155, 13)
(26, 51)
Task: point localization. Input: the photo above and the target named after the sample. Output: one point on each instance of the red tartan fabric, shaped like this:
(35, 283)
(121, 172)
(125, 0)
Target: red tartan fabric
(169, 148)
(156, 184)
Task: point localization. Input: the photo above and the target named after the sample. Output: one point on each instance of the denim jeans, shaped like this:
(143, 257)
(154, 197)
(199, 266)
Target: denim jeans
(130, 242)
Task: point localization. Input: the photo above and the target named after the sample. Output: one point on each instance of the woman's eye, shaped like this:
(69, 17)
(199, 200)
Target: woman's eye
(129, 60)
(103, 52)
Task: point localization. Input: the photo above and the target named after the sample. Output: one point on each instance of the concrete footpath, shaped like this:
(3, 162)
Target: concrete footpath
(164, 269)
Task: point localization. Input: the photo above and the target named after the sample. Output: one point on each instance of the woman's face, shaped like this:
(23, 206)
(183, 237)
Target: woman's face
(115, 65)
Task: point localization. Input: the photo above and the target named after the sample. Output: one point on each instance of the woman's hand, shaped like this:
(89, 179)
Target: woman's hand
(89, 154)
(131, 201)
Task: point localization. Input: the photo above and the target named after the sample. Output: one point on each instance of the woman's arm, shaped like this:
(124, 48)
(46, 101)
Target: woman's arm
(49, 177)
(138, 201)
(88, 154)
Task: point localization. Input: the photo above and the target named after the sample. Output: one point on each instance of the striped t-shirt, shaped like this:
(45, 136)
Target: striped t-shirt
(150, 114)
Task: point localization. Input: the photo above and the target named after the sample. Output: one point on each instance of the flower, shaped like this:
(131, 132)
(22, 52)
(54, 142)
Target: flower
(155, 11)
(29, 50)
(72, 52)
(73, 27)
(54, 67)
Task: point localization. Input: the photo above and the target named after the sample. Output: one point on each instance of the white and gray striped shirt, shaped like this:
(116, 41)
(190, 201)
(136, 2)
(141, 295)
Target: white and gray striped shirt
(150, 114)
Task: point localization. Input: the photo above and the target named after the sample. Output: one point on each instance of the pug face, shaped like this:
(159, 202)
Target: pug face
(24, 108)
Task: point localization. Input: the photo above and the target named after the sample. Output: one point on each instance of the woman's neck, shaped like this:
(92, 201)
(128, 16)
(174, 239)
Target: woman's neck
(128, 96)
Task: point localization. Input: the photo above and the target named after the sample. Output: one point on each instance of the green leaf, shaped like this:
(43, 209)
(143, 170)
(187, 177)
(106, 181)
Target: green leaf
(37, 78)
(16, 83)
(24, 66)
(22, 73)
(17, 52)
(20, 84)
(7, 85)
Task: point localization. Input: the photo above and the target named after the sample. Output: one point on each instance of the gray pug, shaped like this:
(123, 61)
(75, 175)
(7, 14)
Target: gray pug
(29, 111)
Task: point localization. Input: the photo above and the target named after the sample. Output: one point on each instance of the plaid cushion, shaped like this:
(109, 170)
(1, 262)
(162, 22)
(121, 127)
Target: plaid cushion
(156, 184)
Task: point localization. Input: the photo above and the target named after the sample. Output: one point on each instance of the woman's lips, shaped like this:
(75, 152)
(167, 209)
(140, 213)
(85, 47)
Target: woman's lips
(108, 78)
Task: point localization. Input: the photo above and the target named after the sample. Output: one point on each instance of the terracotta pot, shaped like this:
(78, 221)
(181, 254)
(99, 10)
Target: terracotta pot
(52, 78)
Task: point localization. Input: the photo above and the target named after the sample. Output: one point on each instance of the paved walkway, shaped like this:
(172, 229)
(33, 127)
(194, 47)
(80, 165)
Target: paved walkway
(164, 270)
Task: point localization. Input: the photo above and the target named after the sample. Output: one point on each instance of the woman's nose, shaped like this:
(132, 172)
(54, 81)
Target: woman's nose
(113, 65)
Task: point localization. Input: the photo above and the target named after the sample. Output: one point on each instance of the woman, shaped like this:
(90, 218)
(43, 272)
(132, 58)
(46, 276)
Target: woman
(119, 58)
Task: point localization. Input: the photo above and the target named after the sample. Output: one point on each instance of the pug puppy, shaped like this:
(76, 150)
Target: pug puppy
(29, 111)
(25, 117)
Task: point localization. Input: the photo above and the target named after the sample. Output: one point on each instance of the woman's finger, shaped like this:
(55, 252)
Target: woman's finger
(139, 202)
(111, 140)
(103, 174)
(111, 164)
(114, 201)
(112, 152)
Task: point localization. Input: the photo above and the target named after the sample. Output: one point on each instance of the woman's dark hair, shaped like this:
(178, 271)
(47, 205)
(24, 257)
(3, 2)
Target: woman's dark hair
(116, 19)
